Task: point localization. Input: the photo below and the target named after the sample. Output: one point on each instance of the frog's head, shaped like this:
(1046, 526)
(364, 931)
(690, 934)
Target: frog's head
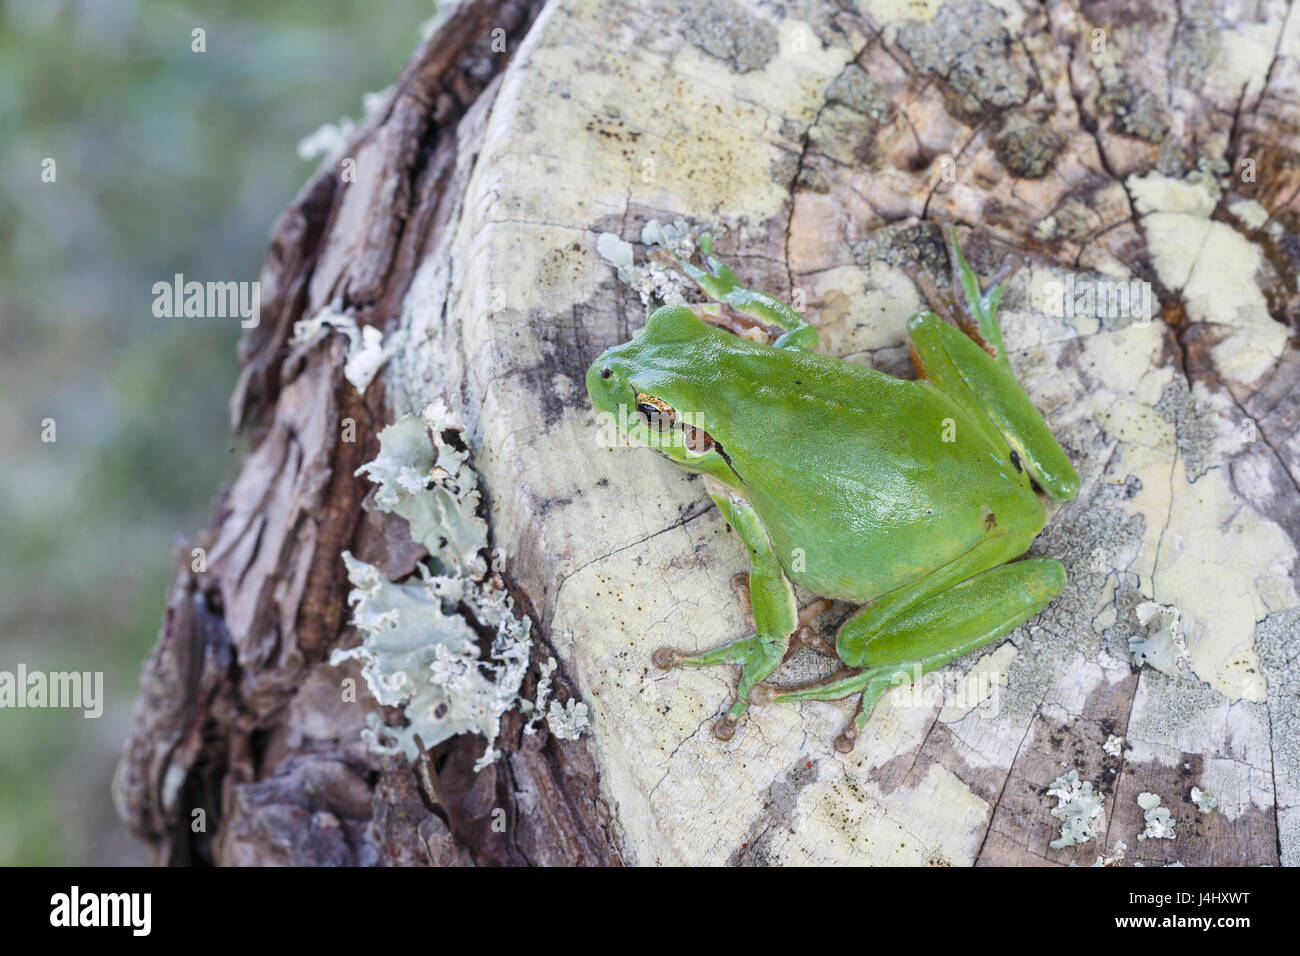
(656, 388)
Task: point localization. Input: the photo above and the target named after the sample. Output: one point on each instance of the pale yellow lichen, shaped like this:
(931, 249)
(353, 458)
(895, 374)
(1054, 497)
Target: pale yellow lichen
(889, 12)
(1214, 269)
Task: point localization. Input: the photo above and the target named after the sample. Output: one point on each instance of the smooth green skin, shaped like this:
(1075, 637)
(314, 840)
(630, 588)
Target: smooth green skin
(839, 478)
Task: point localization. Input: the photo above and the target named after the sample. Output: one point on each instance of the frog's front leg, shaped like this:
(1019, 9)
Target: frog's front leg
(772, 602)
(926, 634)
(786, 327)
(805, 634)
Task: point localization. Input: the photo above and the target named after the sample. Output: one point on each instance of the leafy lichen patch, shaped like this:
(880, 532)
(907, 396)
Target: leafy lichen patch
(419, 647)
(1160, 823)
(1079, 808)
(366, 352)
(1204, 801)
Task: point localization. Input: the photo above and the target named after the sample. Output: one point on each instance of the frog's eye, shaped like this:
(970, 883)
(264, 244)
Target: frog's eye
(656, 413)
(605, 373)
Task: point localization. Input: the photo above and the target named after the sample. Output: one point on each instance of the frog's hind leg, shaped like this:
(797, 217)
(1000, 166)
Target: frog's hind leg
(774, 611)
(976, 311)
(927, 634)
(975, 373)
(869, 686)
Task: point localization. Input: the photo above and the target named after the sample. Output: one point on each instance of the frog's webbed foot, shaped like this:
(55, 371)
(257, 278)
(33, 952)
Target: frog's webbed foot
(747, 312)
(769, 603)
(976, 309)
(867, 685)
(758, 656)
(807, 635)
(724, 728)
(963, 303)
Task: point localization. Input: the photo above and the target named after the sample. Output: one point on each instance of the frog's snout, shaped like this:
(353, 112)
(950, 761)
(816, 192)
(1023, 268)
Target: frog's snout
(607, 383)
(600, 383)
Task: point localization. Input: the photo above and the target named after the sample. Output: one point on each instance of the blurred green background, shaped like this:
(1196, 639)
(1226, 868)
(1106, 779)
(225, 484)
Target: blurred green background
(168, 161)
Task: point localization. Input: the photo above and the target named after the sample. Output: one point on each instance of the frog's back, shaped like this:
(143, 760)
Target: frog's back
(863, 481)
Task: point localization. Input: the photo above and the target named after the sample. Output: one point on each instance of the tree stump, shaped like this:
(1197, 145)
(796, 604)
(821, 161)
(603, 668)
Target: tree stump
(1108, 145)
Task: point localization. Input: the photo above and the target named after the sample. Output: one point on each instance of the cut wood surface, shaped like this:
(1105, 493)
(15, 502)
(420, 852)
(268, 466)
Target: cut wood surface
(824, 142)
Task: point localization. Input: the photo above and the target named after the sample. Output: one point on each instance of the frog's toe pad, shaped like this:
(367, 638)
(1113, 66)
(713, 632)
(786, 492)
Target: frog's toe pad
(666, 658)
(725, 727)
(807, 637)
(845, 741)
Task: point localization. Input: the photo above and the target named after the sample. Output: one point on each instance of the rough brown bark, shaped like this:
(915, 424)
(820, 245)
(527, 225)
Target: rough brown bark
(817, 135)
(239, 713)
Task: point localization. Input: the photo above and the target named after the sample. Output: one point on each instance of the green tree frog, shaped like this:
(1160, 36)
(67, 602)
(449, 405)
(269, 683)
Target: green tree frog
(912, 499)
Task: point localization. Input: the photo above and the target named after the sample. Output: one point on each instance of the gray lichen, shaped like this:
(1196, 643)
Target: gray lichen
(899, 245)
(1193, 44)
(1160, 641)
(421, 655)
(1110, 859)
(535, 709)
(420, 646)
(855, 89)
(856, 107)
(1079, 808)
(1115, 858)
(1137, 112)
(1025, 147)
(1160, 824)
(329, 139)
(729, 32)
(567, 721)
(1194, 424)
(1204, 802)
(968, 47)
(1278, 639)
(657, 280)
(428, 481)
(366, 353)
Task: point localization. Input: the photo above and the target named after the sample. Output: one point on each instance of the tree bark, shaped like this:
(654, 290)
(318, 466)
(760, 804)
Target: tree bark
(1096, 140)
